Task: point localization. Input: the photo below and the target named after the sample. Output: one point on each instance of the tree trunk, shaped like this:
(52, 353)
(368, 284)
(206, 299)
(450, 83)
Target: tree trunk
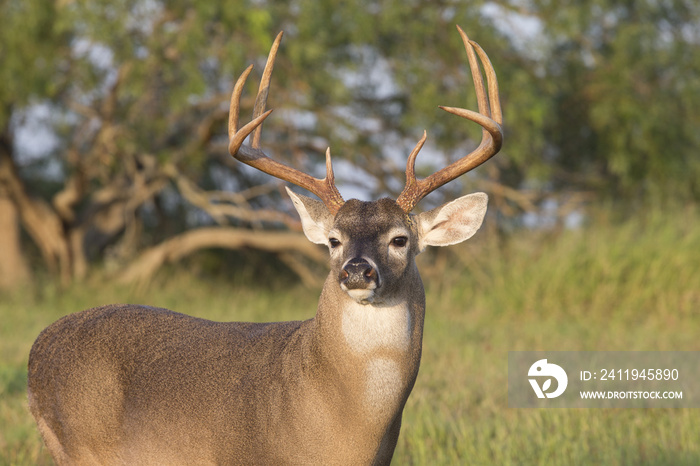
(14, 271)
(41, 223)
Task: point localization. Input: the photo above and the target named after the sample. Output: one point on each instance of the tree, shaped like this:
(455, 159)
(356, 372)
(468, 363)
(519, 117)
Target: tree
(598, 97)
(622, 79)
(136, 90)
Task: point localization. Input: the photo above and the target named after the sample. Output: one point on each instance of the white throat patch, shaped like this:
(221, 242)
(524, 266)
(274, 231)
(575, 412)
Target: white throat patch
(367, 327)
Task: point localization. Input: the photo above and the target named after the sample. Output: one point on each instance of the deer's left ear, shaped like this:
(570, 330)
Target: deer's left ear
(453, 222)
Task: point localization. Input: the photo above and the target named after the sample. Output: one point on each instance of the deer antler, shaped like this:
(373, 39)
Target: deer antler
(489, 117)
(254, 156)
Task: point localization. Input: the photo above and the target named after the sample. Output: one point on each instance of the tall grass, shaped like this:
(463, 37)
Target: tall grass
(628, 286)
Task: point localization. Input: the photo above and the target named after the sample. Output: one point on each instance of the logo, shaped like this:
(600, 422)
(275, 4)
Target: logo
(542, 369)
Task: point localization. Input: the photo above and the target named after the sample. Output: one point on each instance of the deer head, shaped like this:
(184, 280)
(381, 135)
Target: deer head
(372, 244)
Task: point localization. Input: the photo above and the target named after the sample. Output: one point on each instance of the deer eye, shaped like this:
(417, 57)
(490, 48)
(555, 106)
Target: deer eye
(399, 241)
(334, 242)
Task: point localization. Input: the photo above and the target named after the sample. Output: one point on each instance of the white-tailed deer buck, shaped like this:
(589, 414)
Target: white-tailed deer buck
(134, 385)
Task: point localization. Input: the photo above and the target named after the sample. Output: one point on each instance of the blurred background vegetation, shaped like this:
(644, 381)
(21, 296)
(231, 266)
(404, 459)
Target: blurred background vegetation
(114, 171)
(113, 152)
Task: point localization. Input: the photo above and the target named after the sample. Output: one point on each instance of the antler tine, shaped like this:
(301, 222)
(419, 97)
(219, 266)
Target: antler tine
(264, 89)
(253, 155)
(489, 117)
(492, 81)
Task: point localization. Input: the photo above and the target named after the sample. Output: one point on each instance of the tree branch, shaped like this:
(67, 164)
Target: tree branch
(207, 201)
(144, 267)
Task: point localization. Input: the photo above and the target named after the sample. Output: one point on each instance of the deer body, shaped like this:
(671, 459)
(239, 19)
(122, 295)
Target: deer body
(189, 391)
(134, 385)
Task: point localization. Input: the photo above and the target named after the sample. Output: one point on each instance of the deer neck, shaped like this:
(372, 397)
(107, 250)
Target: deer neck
(374, 349)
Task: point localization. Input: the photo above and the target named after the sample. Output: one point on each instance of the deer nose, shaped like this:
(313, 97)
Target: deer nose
(358, 273)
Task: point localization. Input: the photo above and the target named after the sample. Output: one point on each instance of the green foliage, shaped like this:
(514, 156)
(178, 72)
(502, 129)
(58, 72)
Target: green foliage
(612, 286)
(599, 97)
(608, 89)
(30, 47)
(625, 77)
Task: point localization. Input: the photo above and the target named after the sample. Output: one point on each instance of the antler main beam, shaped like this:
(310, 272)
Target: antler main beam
(254, 156)
(489, 117)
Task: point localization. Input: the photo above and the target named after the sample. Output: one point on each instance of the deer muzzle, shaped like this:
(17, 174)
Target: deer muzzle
(358, 274)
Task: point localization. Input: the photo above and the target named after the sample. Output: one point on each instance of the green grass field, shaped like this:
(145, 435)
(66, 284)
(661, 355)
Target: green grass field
(634, 286)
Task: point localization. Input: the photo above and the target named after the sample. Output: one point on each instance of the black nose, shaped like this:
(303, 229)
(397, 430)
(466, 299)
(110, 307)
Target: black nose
(358, 274)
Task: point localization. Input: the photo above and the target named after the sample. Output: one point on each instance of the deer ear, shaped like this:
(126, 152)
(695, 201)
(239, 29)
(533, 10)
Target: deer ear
(453, 222)
(316, 220)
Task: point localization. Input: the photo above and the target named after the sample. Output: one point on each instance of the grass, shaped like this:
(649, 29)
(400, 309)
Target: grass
(629, 286)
